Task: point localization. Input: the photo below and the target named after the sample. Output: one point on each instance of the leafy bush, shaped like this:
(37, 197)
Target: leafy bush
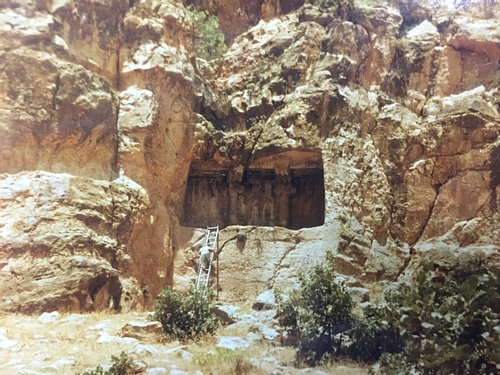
(208, 39)
(317, 313)
(224, 362)
(371, 336)
(446, 323)
(449, 321)
(121, 365)
(185, 317)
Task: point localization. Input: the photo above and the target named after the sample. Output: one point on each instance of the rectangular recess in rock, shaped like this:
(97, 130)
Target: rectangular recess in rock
(257, 197)
(207, 198)
(307, 205)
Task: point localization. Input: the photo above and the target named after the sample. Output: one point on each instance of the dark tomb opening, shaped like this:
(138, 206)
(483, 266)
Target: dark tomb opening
(255, 196)
(307, 205)
(206, 200)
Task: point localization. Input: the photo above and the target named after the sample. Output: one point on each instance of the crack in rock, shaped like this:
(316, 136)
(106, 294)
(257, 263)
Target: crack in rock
(277, 267)
(431, 211)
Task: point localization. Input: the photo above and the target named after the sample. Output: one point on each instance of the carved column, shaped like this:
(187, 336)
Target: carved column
(283, 190)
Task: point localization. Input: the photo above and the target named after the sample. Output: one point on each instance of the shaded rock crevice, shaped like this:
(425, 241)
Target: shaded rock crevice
(429, 215)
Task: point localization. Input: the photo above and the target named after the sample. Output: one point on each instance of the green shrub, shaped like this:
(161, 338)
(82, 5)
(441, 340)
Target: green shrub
(121, 365)
(185, 317)
(449, 321)
(371, 336)
(223, 361)
(446, 323)
(208, 39)
(317, 313)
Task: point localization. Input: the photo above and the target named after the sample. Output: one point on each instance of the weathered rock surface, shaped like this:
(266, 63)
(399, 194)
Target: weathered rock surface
(80, 229)
(56, 116)
(104, 111)
(407, 125)
(63, 239)
(143, 331)
(265, 301)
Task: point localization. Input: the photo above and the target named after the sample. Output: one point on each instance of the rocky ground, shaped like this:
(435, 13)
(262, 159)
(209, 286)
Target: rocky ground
(53, 343)
(107, 117)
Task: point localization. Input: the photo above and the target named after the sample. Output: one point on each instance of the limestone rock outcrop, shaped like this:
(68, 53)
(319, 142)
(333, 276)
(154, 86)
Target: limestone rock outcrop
(372, 134)
(63, 239)
(97, 95)
(406, 126)
(56, 116)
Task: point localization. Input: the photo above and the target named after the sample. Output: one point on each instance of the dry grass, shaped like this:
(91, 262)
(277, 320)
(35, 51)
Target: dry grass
(226, 362)
(39, 346)
(345, 367)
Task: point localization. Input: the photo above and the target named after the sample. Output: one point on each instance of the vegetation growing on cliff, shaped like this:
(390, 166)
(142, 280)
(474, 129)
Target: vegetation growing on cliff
(444, 323)
(449, 321)
(342, 7)
(208, 39)
(319, 315)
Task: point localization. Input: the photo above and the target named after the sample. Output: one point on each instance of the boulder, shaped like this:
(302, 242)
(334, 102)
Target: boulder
(265, 301)
(227, 314)
(48, 317)
(232, 343)
(71, 225)
(143, 331)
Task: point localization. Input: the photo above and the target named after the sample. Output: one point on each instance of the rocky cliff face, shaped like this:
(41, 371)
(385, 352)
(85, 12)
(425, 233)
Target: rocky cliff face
(373, 134)
(99, 96)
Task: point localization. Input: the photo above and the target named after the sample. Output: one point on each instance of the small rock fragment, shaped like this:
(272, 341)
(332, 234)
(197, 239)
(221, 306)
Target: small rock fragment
(48, 317)
(61, 363)
(178, 372)
(185, 355)
(105, 337)
(142, 330)
(145, 349)
(156, 371)
(265, 301)
(233, 343)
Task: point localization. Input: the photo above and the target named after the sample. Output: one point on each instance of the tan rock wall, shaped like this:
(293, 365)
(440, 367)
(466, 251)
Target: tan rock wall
(407, 125)
(63, 239)
(62, 64)
(104, 108)
(56, 116)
